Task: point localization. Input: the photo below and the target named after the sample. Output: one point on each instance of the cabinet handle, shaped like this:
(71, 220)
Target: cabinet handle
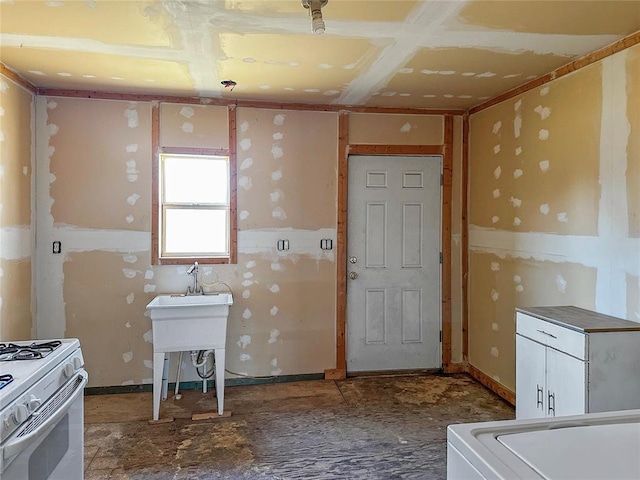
(539, 397)
(547, 334)
(551, 398)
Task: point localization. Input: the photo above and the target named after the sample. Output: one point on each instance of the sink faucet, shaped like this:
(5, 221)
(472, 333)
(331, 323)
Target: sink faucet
(197, 289)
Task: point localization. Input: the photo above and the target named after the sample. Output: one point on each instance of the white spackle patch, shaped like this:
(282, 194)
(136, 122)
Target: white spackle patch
(244, 341)
(544, 91)
(279, 213)
(405, 70)
(129, 272)
(52, 129)
(406, 128)
(279, 119)
(494, 352)
(494, 327)
(130, 258)
(273, 336)
(277, 267)
(250, 264)
(148, 275)
(544, 165)
(495, 267)
(276, 195)
(4, 86)
(496, 149)
(187, 112)
(127, 357)
(274, 362)
(148, 364)
(276, 372)
(496, 127)
(245, 144)
(244, 127)
(561, 283)
(469, 74)
(128, 219)
(275, 288)
(543, 134)
(245, 182)
(544, 112)
(130, 298)
(148, 336)
(519, 288)
(131, 148)
(516, 202)
(517, 106)
(132, 171)
(187, 127)
(278, 136)
(246, 293)
(517, 173)
(149, 288)
(518, 150)
(244, 214)
(517, 278)
(248, 275)
(265, 87)
(517, 125)
(247, 283)
(496, 193)
(495, 219)
(274, 311)
(497, 172)
(330, 93)
(131, 114)
(51, 105)
(544, 208)
(133, 198)
(246, 163)
(277, 175)
(1, 136)
(25, 170)
(486, 75)
(516, 221)
(562, 217)
(276, 151)
(1, 112)
(494, 295)
(245, 357)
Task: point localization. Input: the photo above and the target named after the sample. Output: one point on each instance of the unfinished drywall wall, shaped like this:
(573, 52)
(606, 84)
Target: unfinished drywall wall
(552, 205)
(16, 150)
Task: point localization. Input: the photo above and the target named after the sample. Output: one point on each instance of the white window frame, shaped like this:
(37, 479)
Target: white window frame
(160, 207)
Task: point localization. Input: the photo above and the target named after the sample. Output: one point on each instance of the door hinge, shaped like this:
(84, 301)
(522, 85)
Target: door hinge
(440, 336)
(440, 257)
(441, 179)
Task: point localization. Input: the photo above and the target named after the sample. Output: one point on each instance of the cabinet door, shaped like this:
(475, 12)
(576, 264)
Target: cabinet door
(566, 384)
(530, 378)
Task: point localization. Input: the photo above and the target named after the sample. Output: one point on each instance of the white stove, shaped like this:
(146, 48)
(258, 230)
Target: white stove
(41, 409)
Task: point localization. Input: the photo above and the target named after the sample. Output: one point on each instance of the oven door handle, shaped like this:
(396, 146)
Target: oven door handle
(19, 444)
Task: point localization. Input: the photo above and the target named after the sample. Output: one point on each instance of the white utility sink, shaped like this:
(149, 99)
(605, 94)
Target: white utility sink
(182, 323)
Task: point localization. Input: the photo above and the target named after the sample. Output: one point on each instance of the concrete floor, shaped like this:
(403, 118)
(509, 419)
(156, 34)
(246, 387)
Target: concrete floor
(358, 428)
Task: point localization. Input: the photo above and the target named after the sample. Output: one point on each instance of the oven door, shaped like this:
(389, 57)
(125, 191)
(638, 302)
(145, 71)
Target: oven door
(50, 445)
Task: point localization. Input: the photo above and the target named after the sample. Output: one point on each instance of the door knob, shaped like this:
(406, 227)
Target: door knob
(353, 259)
(353, 275)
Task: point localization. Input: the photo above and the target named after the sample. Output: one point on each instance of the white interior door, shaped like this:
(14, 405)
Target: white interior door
(393, 289)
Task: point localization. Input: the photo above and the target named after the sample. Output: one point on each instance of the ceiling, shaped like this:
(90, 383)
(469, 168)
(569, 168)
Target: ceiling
(420, 53)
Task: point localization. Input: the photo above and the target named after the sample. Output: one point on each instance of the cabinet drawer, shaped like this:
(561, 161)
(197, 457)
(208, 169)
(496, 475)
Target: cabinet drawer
(552, 335)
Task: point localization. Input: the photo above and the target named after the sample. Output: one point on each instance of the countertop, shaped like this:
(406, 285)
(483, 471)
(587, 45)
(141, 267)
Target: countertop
(580, 319)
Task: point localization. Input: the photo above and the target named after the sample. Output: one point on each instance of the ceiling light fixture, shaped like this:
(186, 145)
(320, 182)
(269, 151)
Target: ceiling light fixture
(315, 9)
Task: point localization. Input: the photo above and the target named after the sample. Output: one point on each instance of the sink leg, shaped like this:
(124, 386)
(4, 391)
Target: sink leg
(220, 357)
(158, 366)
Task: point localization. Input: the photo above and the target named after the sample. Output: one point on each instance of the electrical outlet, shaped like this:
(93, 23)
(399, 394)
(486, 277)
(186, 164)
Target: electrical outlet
(57, 247)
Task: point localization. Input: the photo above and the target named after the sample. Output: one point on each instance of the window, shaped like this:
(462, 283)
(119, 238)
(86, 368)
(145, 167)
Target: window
(195, 208)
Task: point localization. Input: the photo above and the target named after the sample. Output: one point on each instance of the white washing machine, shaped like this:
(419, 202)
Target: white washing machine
(603, 446)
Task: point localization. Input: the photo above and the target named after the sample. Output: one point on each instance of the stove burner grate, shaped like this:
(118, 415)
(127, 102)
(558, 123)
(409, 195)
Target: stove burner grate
(32, 351)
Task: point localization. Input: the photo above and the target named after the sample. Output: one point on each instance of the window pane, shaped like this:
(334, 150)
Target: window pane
(196, 180)
(196, 231)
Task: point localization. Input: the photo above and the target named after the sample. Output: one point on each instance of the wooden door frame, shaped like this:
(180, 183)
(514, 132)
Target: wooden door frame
(344, 150)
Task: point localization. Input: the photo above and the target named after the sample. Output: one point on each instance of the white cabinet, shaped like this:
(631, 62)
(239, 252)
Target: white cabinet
(571, 361)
